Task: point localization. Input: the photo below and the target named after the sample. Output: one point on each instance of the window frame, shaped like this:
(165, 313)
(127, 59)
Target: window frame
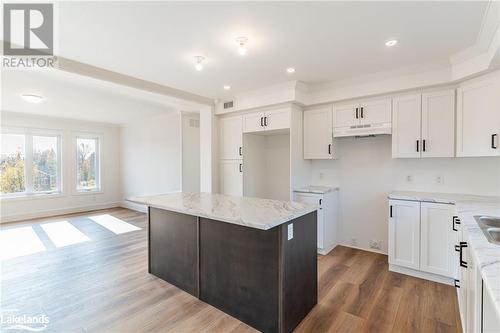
(28, 134)
(99, 187)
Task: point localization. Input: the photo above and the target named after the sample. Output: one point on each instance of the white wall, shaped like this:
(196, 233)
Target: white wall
(68, 201)
(366, 173)
(151, 156)
(190, 152)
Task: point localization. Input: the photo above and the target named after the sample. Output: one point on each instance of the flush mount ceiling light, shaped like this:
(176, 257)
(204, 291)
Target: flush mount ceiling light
(30, 98)
(290, 70)
(199, 62)
(242, 42)
(227, 87)
(391, 42)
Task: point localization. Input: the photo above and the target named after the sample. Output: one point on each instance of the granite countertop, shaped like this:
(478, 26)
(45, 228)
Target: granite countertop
(486, 255)
(316, 189)
(250, 212)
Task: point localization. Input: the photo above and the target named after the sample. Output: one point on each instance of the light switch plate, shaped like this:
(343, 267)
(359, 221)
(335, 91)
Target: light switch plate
(290, 231)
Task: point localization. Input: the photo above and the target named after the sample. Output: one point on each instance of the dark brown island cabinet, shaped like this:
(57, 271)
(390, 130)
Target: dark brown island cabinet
(254, 259)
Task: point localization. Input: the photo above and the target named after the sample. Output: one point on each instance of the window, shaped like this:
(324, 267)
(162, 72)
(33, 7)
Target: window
(87, 164)
(29, 163)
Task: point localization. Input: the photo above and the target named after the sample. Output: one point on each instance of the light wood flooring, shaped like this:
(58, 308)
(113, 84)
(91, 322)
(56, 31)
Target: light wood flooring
(103, 286)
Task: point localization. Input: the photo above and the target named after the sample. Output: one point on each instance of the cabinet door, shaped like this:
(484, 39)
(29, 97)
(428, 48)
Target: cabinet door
(277, 119)
(438, 124)
(231, 176)
(437, 239)
(318, 136)
(344, 115)
(406, 111)
(253, 122)
(314, 199)
(490, 317)
(231, 138)
(404, 235)
(478, 118)
(376, 111)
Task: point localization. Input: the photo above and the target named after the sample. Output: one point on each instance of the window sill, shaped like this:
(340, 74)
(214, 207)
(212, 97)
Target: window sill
(31, 196)
(90, 192)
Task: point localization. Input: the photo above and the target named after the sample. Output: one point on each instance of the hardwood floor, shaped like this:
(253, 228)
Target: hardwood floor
(102, 285)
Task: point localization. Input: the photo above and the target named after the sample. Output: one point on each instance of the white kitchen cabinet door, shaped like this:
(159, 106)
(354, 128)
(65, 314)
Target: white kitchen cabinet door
(406, 126)
(490, 317)
(253, 122)
(404, 233)
(231, 138)
(344, 115)
(318, 136)
(438, 124)
(376, 111)
(231, 176)
(317, 200)
(277, 119)
(478, 117)
(437, 239)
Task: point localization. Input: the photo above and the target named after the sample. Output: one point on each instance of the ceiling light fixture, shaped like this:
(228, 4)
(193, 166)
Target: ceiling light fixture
(242, 42)
(198, 62)
(227, 87)
(391, 42)
(290, 70)
(30, 98)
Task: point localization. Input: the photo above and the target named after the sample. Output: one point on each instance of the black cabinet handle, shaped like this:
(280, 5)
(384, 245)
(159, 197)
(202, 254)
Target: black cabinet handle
(265, 121)
(320, 201)
(329, 149)
(240, 152)
(456, 283)
(390, 211)
(423, 145)
(456, 221)
(362, 112)
(459, 248)
(357, 117)
(261, 120)
(241, 167)
(418, 146)
(493, 141)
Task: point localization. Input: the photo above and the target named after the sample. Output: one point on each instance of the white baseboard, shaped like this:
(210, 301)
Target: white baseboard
(421, 275)
(327, 250)
(134, 206)
(363, 249)
(55, 212)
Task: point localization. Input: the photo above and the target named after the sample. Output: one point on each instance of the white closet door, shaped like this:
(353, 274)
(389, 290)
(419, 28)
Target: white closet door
(438, 124)
(404, 233)
(318, 137)
(231, 138)
(406, 113)
(231, 173)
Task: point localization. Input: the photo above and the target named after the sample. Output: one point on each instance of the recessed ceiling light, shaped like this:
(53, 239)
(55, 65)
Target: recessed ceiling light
(391, 42)
(198, 62)
(30, 98)
(290, 70)
(242, 42)
(227, 87)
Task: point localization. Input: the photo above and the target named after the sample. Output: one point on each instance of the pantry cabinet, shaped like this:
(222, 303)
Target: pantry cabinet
(231, 177)
(318, 135)
(423, 125)
(231, 138)
(478, 117)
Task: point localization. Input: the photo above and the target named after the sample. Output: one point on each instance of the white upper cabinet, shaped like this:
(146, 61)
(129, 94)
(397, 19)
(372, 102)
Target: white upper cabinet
(253, 122)
(268, 120)
(318, 136)
(478, 117)
(406, 125)
(438, 124)
(375, 111)
(404, 233)
(231, 138)
(346, 115)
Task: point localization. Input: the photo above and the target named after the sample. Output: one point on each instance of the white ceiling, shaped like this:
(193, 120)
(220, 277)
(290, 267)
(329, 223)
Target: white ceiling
(324, 41)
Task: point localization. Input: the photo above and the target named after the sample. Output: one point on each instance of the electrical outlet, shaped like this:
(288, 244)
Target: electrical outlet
(409, 179)
(290, 231)
(440, 179)
(375, 244)
(321, 175)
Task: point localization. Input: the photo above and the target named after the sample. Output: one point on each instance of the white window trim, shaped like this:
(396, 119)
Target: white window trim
(99, 175)
(28, 134)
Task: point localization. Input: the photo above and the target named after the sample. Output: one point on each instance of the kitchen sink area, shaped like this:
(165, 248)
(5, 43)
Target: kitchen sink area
(490, 225)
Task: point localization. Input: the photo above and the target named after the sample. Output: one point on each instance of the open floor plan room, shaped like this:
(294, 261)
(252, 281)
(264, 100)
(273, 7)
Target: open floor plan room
(241, 166)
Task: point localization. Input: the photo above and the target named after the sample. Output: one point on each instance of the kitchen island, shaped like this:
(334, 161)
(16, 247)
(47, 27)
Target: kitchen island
(254, 259)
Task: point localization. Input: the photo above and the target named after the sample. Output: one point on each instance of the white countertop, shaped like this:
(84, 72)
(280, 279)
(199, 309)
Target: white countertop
(250, 212)
(486, 255)
(316, 189)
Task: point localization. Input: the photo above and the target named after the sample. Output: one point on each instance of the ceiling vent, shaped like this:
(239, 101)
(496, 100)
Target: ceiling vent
(228, 105)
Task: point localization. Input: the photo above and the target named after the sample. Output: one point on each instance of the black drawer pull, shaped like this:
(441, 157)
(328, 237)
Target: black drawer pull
(455, 221)
(390, 211)
(459, 248)
(357, 117)
(418, 146)
(241, 167)
(456, 283)
(240, 152)
(329, 149)
(493, 141)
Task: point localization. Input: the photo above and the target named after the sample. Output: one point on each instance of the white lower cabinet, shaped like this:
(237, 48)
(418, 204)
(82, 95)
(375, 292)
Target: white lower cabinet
(231, 174)
(490, 319)
(422, 238)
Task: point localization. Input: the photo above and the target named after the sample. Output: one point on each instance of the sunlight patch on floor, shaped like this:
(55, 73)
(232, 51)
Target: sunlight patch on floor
(63, 233)
(114, 224)
(17, 242)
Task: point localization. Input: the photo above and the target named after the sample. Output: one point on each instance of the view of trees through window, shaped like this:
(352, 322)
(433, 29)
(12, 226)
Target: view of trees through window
(44, 163)
(12, 164)
(87, 164)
